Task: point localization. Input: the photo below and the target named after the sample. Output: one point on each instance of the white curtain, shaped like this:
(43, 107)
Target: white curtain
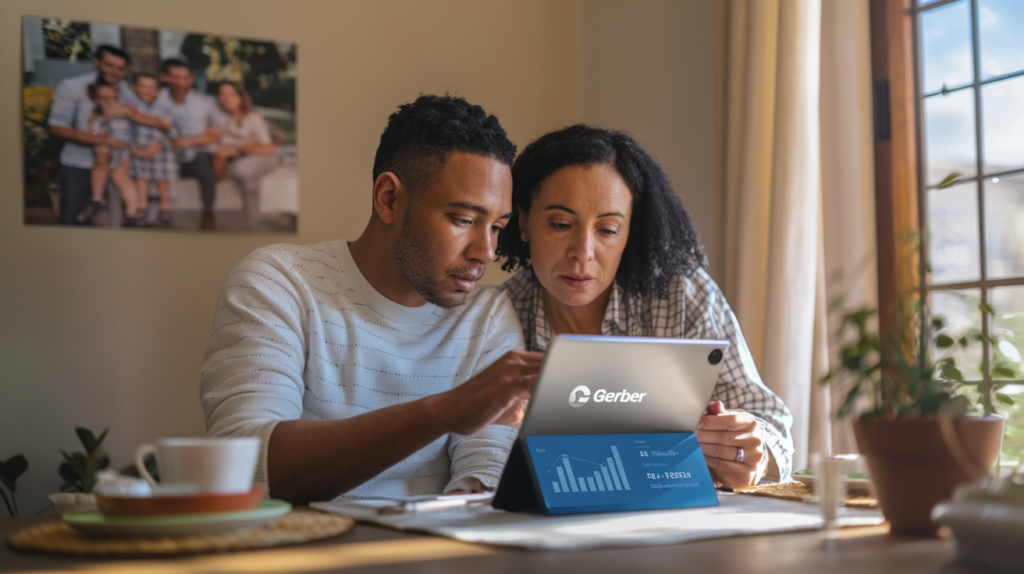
(798, 189)
(847, 177)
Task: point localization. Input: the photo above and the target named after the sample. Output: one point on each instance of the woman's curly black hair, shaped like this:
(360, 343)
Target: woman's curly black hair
(662, 242)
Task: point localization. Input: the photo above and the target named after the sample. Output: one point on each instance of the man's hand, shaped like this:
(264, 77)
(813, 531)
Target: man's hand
(119, 110)
(211, 135)
(496, 395)
(185, 142)
(311, 460)
(131, 112)
(113, 143)
(732, 446)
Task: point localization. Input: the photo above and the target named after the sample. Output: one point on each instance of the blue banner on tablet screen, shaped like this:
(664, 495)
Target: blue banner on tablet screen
(593, 473)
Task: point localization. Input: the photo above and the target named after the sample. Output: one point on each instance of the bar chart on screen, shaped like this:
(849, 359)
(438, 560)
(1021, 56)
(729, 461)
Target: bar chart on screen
(587, 473)
(608, 475)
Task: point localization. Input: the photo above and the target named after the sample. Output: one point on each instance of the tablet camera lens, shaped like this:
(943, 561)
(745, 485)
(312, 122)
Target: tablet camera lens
(715, 357)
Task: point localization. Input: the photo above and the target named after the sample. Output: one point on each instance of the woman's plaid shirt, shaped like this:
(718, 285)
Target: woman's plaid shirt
(694, 309)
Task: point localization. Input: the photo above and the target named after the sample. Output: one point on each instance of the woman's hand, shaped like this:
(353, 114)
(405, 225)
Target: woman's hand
(228, 151)
(259, 149)
(732, 446)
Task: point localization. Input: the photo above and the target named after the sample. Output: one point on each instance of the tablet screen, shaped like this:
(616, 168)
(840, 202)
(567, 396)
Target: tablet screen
(591, 473)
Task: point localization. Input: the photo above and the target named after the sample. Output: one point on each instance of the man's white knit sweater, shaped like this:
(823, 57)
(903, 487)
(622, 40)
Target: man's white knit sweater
(299, 333)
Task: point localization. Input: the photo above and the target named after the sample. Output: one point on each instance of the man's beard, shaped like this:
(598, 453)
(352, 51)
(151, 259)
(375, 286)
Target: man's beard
(416, 263)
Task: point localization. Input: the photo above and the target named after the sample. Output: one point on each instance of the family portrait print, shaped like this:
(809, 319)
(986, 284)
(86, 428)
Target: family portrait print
(129, 127)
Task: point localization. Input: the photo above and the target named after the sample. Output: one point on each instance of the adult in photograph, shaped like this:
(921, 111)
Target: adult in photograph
(246, 152)
(197, 121)
(603, 246)
(70, 100)
(376, 367)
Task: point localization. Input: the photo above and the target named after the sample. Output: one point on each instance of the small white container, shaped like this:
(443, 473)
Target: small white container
(110, 483)
(72, 502)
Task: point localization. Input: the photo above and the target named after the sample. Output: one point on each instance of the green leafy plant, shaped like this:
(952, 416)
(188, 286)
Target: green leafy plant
(67, 40)
(79, 468)
(915, 374)
(41, 150)
(10, 470)
(913, 382)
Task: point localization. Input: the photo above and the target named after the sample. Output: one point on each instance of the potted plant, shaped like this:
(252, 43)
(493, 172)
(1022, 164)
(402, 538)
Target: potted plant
(10, 470)
(921, 425)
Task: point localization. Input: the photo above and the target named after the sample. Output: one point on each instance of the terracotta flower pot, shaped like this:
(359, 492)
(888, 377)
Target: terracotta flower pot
(916, 463)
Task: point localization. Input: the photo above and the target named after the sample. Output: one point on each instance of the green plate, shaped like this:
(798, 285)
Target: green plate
(99, 524)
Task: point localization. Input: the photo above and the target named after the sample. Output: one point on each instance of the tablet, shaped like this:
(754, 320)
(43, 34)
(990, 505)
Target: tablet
(610, 427)
(615, 385)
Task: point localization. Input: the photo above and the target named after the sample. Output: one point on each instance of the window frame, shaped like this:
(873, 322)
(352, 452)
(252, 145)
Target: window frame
(984, 283)
(897, 206)
(901, 188)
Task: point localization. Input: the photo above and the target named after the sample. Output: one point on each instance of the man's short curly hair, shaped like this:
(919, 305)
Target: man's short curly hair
(420, 136)
(662, 241)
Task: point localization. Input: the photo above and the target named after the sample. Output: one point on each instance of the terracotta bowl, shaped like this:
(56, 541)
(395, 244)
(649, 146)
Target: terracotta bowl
(186, 504)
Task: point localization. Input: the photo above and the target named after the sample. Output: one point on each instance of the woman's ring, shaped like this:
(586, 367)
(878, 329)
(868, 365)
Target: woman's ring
(739, 455)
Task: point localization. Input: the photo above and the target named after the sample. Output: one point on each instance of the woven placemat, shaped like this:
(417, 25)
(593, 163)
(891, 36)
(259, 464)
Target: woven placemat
(803, 493)
(293, 528)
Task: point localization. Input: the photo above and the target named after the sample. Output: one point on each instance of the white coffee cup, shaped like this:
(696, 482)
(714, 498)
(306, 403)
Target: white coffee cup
(201, 465)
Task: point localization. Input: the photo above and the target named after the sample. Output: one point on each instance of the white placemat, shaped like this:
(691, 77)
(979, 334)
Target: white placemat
(737, 515)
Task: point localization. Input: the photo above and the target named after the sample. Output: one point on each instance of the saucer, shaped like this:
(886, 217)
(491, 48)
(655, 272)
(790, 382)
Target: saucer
(101, 525)
(180, 504)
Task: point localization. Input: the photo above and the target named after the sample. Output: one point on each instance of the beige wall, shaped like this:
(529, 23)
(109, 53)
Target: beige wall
(654, 69)
(104, 328)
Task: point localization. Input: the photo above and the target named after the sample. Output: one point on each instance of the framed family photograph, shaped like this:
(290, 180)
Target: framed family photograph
(129, 127)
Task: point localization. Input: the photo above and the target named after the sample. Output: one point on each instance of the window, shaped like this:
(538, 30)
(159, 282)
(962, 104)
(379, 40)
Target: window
(970, 90)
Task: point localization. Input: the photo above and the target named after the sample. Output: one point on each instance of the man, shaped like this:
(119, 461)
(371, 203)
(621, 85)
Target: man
(70, 100)
(197, 121)
(376, 368)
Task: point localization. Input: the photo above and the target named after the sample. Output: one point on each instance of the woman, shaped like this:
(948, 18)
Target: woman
(604, 247)
(246, 151)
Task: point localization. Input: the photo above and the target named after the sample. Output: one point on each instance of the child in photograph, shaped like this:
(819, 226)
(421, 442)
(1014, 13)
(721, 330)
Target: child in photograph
(112, 161)
(153, 156)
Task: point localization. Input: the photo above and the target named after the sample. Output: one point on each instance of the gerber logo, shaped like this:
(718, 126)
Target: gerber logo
(577, 401)
(581, 394)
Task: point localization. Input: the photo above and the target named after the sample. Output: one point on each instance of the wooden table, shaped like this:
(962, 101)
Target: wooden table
(379, 550)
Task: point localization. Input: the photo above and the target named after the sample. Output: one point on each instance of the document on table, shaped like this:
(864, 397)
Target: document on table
(737, 515)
